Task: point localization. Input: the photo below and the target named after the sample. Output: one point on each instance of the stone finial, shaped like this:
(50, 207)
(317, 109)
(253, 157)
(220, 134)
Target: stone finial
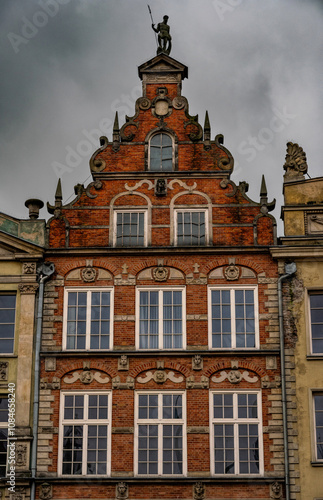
(207, 132)
(116, 133)
(34, 206)
(295, 163)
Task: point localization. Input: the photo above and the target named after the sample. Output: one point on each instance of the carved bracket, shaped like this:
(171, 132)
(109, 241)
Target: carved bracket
(117, 384)
(4, 365)
(202, 384)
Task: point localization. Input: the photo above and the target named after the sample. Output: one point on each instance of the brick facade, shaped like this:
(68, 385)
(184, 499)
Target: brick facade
(233, 255)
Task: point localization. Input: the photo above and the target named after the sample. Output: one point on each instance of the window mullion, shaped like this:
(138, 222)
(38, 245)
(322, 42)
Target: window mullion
(161, 319)
(233, 318)
(88, 319)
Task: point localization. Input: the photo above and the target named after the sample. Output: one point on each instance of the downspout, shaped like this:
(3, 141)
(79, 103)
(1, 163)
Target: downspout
(290, 269)
(44, 272)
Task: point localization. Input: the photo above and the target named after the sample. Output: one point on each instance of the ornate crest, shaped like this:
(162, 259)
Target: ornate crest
(160, 273)
(295, 161)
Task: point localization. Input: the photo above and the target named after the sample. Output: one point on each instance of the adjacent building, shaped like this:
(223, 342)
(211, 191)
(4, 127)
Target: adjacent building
(21, 250)
(302, 214)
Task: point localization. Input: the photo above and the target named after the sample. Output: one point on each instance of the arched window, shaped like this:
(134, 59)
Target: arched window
(161, 153)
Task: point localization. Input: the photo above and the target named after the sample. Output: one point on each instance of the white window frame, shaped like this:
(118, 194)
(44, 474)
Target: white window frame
(88, 290)
(161, 132)
(130, 211)
(160, 317)
(160, 422)
(232, 306)
(203, 209)
(84, 423)
(235, 421)
(311, 292)
(7, 293)
(315, 456)
(4, 426)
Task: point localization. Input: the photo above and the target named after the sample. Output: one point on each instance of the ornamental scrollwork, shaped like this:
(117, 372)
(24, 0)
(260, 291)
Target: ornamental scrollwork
(234, 377)
(160, 376)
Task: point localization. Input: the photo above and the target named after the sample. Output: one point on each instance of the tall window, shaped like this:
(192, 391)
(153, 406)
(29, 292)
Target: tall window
(7, 323)
(236, 443)
(190, 227)
(318, 411)
(161, 152)
(160, 318)
(88, 318)
(160, 443)
(130, 228)
(85, 434)
(3, 435)
(233, 314)
(316, 311)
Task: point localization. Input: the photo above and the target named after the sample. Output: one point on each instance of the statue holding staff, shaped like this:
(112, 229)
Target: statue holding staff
(164, 38)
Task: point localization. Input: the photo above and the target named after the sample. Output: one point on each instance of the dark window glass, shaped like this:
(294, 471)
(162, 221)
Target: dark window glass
(161, 152)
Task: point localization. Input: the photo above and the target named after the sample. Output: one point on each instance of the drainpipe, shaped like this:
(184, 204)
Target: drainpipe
(44, 272)
(290, 269)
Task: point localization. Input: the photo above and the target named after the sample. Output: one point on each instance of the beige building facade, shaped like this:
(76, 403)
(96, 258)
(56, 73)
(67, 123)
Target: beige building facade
(21, 250)
(302, 214)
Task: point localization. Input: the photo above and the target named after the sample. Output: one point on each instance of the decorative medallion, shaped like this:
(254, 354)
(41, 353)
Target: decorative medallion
(88, 274)
(231, 272)
(160, 273)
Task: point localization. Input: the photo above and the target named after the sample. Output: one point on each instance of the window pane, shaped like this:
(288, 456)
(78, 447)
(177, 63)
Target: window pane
(7, 323)
(161, 152)
(318, 408)
(316, 306)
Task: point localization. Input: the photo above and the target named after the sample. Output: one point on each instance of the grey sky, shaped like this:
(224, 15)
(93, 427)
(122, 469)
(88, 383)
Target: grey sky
(68, 65)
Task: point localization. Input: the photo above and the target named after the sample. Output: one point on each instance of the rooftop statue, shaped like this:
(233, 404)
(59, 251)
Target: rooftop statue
(164, 38)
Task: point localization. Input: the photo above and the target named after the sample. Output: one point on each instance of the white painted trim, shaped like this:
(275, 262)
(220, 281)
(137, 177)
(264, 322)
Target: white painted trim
(232, 288)
(190, 209)
(84, 422)
(161, 289)
(88, 315)
(308, 322)
(235, 421)
(160, 421)
(131, 211)
(160, 132)
(313, 393)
